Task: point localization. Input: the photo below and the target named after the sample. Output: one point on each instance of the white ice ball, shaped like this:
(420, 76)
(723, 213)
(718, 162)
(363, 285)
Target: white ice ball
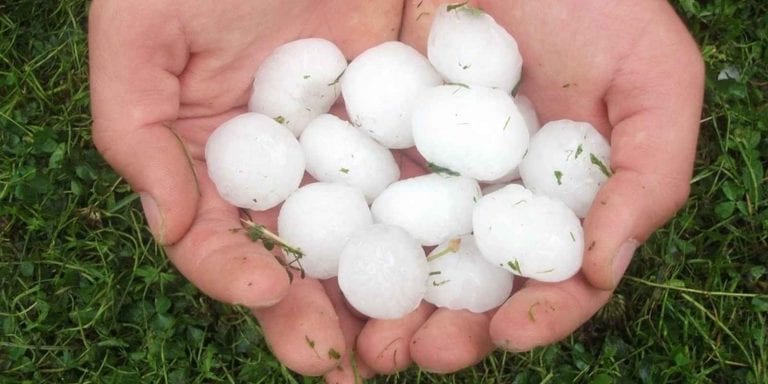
(475, 131)
(337, 151)
(383, 272)
(530, 235)
(254, 162)
(461, 278)
(379, 88)
(319, 218)
(432, 208)
(298, 81)
(569, 161)
(467, 46)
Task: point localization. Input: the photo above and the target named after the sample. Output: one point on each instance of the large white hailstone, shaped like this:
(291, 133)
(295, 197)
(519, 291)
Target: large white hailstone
(569, 161)
(432, 208)
(379, 88)
(383, 272)
(467, 46)
(475, 131)
(319, 218)
(530, 235)
(297, 82)
(461, 278)
(254, 162)
(337, 151)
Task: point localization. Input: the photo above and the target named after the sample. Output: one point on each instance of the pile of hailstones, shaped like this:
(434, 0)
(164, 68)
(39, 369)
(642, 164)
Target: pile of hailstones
(360, 222)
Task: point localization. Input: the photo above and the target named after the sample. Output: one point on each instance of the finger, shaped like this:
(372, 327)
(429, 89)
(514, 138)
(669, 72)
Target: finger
(543, 313)
(303, 329)
(226, 264)
(135, 58)
(384, 345)
(654, 105)
(352, 369)
(452, 340)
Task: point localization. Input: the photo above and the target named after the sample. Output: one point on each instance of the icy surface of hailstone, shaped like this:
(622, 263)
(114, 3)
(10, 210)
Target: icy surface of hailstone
(432, 208)
(464, 279)
(254, 162)
(530, 235)
(467, 46)
(379, 87)
(475, 131)
(383, 272)
(297, 82)
(569, 161)
(337, 151)
(528, 112)
(319, 218)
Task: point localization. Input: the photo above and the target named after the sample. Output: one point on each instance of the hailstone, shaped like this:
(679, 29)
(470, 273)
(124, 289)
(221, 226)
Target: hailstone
(467, 46)
(319, 218)
(383, 272)
(254, 162)
(461, 278)
(569, 161)
(530, 235)
(297, 82)
(475, 131)
(337, 151)
(379, 88)
(432, 207)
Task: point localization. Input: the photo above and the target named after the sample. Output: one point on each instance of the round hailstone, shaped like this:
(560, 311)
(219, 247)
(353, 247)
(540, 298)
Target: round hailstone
(383, 272)
(254, 162)
(319, 218)
(337, 151)
(569, 161)
(475, 131)
(467, 46)
(379, 88)
(530, 235)
(461, 278)
(432, 208)
(297, 82)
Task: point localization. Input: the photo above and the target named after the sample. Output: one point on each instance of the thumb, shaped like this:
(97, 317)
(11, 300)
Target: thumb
(135, 55)
(625, 212)
(154, 162)
(654, 104)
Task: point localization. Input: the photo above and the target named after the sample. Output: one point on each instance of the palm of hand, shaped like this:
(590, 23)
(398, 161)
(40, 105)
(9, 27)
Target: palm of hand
(582, 61)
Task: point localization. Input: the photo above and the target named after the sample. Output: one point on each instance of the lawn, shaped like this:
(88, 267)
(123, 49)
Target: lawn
(87, 296)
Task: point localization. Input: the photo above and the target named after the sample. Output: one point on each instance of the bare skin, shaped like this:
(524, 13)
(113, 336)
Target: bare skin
(164, 75)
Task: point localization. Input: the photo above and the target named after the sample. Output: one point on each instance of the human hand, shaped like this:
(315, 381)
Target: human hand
(164, 74)
(633, 71)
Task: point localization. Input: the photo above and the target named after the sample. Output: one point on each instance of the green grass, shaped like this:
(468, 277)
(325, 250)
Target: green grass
(86, 295)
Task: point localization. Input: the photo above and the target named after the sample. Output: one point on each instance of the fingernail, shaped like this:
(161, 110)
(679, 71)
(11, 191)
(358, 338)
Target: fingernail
(153, 215)
(622, 259)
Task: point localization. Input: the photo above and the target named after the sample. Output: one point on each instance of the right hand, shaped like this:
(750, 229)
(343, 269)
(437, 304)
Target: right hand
(163, 76)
